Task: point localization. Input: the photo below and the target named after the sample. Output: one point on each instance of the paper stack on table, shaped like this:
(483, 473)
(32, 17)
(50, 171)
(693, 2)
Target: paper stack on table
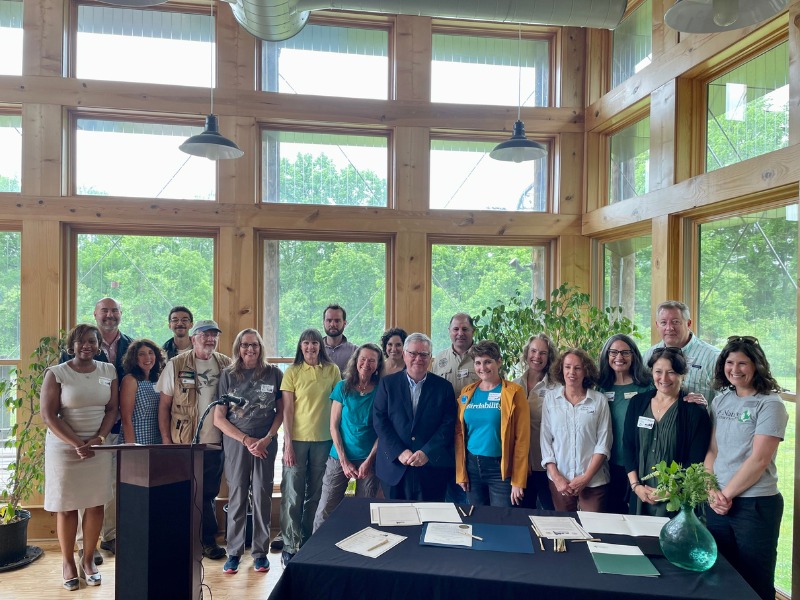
(370, 542)
(413, 513)
(634, 525)
(565, 528)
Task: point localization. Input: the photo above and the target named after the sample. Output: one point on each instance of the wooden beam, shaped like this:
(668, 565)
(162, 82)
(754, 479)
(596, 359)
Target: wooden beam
(43, 43)
(413, 55)
(42, 148)
(666, 267)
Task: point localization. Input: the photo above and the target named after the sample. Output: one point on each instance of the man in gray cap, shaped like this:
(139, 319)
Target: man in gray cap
(188, 385)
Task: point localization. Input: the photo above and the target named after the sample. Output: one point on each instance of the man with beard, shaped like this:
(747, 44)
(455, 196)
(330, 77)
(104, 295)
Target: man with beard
(339, 350)
(188, 385)
(180, 321)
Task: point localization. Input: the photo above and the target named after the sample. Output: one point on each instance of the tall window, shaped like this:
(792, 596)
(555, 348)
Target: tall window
(470, 278)
(633, 44)
(11, 37)
(627, 275)
(326, 60)
(324, 168)
(470, 69)
(147, 275)
(302, 277)
(463, 177)
(11, 156)
(629, 168)
(10, 242)
(139, 148)
(148, 46)
(748, 109)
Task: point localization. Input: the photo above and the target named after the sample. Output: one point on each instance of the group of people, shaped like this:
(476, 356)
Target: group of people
(568, 433)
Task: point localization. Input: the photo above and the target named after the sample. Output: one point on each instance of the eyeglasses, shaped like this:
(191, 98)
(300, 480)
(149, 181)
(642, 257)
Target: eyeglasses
(422, 355)
(624, 353)
(743, 338)
(247, 346)
(184, 320)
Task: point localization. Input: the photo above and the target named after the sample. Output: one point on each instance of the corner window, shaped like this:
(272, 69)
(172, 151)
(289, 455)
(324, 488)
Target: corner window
(11, 157)
(629, 168)
(633, 44)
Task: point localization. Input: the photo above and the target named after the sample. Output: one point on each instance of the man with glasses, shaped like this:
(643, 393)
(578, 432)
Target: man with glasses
(414, 417)
(673, 322)
(180, 321)
(188, 385)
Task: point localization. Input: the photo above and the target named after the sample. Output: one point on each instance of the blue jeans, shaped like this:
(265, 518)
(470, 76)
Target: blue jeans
(486, 485)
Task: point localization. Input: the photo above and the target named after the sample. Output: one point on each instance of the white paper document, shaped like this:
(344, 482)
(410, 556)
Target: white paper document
(412, 513)
(635, 525)
(565, 528)
(370, 542)
(449, 534)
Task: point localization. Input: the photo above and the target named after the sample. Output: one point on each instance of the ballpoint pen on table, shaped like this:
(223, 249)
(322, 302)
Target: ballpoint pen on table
(587, 540)
(471, 508)
(538, 535)
(474, 537)
(378, 545)
(461, 510)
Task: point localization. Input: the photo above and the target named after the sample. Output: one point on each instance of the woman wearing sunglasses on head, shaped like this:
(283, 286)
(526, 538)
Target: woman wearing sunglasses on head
(749, 422)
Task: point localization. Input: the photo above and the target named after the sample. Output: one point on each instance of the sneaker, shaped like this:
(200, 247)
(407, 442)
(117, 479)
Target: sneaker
(231, 565)
(277, 543)
(261, 564)
(214, 552)
(286, 557)
(98, 558)
(109, 546)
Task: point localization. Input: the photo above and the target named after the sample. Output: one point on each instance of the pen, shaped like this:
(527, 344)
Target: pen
(587, 540)
(461, 510)
(471, 508)
(474, 537)
(538, 535)
(378, 545)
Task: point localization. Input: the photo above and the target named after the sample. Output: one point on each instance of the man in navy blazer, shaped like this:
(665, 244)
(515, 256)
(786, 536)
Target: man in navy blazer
(414, 415)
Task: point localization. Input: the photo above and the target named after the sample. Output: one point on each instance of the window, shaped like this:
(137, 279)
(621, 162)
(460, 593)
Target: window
(302, 277)
(627, 278)
(629, 169)
(470, 69)
(327, 60)
(471, 278)
(147, 275)
(324, 168)
(11, 37)
(11, 158)
(139, 148)
(147, 46)
(633, 44)
(10, 243)
(463, 177)
(748, 110)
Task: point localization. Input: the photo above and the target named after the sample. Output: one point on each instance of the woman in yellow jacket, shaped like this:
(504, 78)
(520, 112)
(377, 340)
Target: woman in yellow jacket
(492, 433)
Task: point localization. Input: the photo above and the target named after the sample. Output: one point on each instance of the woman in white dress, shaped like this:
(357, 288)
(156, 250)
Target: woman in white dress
(79, 407)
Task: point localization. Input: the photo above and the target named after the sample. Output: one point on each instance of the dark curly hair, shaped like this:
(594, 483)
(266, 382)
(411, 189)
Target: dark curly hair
(589, 379)
(131, 365)
(763, 381)
(387, 335)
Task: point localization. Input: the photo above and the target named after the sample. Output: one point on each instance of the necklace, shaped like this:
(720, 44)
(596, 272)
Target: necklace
(362, 388)
(659, 412)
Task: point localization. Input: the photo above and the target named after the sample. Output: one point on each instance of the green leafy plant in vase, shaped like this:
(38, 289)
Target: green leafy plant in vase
(685, 540)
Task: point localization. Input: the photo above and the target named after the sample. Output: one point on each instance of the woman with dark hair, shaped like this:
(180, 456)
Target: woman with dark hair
(538, 355)
(306, 391)
(138, 397)
(392, 342)
(749, 422)
(576, 435)
(661, 426)
(622, 376)
(250, 445)
(492, 433)
(354, 439)
(79, 404)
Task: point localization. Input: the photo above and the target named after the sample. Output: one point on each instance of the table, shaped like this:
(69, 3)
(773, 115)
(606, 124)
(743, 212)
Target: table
(413, 572)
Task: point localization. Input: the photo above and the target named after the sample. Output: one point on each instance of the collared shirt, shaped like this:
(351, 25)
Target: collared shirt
(110, 349)
(701, 359)
(416, 390)
(571, 435)
(312, 386)
(171, 348)
(340, 353)
(457, 369)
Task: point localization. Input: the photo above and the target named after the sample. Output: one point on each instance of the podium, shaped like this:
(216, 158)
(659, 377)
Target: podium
(159, 518)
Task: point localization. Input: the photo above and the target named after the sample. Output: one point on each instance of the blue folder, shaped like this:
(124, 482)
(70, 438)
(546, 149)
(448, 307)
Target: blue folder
(496, 538)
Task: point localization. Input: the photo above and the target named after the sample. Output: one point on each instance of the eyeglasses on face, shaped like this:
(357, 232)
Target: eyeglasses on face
(422, 355)
(248, 346)
(184, 320)
(743, 338)
(624, 353)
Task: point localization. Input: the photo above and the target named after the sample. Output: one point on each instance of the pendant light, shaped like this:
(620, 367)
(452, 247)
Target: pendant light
(518, 148)
(712, 16)
(211, 144)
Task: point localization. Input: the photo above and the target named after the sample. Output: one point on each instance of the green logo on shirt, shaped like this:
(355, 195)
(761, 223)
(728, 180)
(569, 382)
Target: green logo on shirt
(745, 416)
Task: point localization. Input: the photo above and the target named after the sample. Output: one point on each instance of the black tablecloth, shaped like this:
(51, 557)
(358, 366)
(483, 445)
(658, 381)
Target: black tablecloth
(413, 572)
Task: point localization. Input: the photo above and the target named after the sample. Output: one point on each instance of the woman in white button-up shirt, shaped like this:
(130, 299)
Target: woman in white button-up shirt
(576, 435)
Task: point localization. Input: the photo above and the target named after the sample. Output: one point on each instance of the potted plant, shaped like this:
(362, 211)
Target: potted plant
(20, 394)
(685, 540)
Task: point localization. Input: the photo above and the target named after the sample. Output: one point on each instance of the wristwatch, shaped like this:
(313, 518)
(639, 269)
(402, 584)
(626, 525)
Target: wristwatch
(102, 439)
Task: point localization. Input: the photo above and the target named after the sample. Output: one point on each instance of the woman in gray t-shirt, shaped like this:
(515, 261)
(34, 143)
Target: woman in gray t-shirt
(749, 422)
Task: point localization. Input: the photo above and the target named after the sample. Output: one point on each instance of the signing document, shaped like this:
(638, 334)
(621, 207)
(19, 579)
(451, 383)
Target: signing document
(414, 513)
(635, 525)
(370, 542)
(448, 534)
(564, 528)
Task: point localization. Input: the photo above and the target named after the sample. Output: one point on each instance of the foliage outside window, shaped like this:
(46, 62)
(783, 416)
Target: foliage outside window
(302, 277)
(11, 37)
(470, 69)
(147, 275)
(147, 46)
(629, 168)
(145, 163)
(466, 278)
(748, 110)
(627, 275)
(326, 60)
(632, 44)
(748, 286)
(324, 168)
(10, 243)
(464, 177)
(11, 157)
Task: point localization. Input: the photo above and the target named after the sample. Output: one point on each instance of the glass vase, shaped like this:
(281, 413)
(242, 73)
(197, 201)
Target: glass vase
(687, 543)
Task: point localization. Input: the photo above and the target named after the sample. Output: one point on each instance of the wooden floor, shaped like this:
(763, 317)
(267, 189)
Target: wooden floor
(42, 579)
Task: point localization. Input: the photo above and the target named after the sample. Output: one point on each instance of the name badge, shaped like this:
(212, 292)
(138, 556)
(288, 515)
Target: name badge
(629, 395)
(589, 410)
(645, 423)
(463, 373)
(750, 403)
(267, 388)
(610, 396)
(104, 381)
(187, 382)
(494, 396)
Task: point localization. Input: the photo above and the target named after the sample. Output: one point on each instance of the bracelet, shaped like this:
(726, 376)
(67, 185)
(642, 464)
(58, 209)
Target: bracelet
(244, 437)
(635, 485)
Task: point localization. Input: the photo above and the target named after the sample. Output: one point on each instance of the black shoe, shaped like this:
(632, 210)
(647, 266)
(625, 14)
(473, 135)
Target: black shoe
(214, 552)
(286, 557)
(277, 543)
(98, 558)
(108, 546)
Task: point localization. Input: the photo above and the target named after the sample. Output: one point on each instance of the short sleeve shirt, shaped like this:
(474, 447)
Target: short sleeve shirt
(458, 370)
(206, 380)
(355, 427)
(312, 387)
(260, 397)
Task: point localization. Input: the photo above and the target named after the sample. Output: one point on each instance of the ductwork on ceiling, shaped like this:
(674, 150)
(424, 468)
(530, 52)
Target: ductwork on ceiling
(278, 20)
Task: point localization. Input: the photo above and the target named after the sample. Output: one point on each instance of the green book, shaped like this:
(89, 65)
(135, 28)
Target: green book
(617, 559)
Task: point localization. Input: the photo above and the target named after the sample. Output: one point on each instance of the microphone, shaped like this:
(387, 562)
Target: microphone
(228, 399)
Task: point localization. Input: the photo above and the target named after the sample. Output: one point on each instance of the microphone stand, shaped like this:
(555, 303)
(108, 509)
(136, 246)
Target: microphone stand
(196, 438)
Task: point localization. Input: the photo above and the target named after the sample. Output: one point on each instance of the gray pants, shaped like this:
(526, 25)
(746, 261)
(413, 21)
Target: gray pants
(334, 485)
(242, 470)
(301, 486)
